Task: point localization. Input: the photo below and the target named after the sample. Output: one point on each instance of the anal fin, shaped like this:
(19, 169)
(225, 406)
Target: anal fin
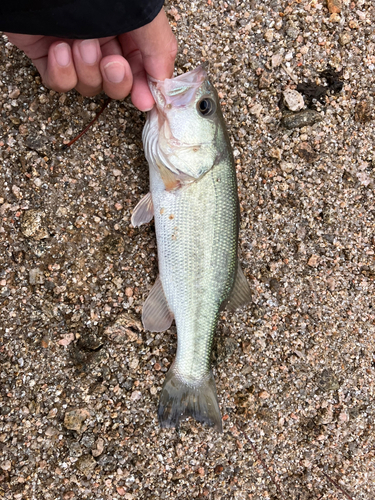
(143, 212)
(156, 315)
(240, 294)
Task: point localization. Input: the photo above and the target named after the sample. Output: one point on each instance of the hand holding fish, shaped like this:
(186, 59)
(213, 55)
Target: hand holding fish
(115, 64)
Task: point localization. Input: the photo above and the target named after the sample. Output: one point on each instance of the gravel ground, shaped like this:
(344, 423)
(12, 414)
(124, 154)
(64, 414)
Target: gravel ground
(295, 370)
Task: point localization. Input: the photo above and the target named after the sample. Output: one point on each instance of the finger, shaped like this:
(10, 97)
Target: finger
(141, 95)
(57, 69)
(158, 47)
(110, 47)
(87, 55)
(117, 76)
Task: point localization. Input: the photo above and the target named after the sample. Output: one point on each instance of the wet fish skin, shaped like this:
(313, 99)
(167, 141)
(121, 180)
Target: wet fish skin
(195, 206)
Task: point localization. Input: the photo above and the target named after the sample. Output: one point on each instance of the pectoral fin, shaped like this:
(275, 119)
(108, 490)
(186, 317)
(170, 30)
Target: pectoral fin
(143, 212)
(240, 294)
(156, 315)
(173, 180)
(170, 179)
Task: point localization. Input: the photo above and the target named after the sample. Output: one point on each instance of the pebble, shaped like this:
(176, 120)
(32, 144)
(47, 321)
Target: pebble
(36, 277)
(6, 465)
(334, 6)
(277, 59)
(265, 80)
(363, 112)
(136, 396)
(305, 151)
(14, 94)
(36, 142)
(293, 100)
(301, 119)
(313, 260)
(268, 36)
(345, 38)
(86, 464)
(33, 225)
(99, 448)
(74, 419)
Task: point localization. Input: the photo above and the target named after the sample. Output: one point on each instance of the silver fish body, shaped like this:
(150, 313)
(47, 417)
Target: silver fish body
(195, 206)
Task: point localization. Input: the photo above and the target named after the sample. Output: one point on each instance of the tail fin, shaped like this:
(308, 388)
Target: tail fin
(179, 400)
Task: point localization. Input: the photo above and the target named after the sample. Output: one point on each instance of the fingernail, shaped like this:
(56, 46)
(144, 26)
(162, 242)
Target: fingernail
(62, 54)
(114, 72)
(89, 51)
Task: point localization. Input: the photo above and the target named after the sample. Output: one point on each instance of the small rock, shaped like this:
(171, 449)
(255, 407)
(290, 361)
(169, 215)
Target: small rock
(287, 167)
(14, 94)
(277, 59)
(345, 38)
(113, 244)
(265, 80)
(268, 36)
(74, 419)
(67, 339)
(136, 395)
(264, 395)
(305, 151)
(125, 324)
(301, 119)
(6, 465)
(274, 285)
(276, 153)
(37, 142)
(327, 381)
(362, 112)
(17, 192)
(133, 364)
(256, 110)
(51, 431)
(99, 447)
(36, 277)
(292, 32)
(75, 450)
(33, 226)
(293, 100)
(85, 464)
(331, 284)
(334, 6)
(313, 261)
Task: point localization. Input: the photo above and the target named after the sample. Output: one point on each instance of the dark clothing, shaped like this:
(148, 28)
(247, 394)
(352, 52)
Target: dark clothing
(76, 18)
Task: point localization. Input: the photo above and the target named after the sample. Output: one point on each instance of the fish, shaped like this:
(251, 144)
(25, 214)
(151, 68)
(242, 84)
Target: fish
(194, 202)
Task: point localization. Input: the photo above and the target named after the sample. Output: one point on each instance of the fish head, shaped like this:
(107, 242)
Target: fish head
(191, 129)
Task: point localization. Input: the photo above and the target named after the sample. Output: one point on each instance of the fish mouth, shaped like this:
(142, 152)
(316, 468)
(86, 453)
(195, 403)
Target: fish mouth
(179, 91)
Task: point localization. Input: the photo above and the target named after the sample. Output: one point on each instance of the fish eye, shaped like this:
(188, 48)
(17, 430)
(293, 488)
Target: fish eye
(206, 107)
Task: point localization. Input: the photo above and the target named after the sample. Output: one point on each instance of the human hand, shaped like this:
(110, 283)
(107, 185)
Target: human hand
(118, 65)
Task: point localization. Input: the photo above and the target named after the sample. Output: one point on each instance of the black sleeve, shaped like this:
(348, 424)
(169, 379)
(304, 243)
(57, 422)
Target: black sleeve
(76, 18)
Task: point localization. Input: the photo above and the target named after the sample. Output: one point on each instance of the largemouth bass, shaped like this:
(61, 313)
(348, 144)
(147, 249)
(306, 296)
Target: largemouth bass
(193, 199)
